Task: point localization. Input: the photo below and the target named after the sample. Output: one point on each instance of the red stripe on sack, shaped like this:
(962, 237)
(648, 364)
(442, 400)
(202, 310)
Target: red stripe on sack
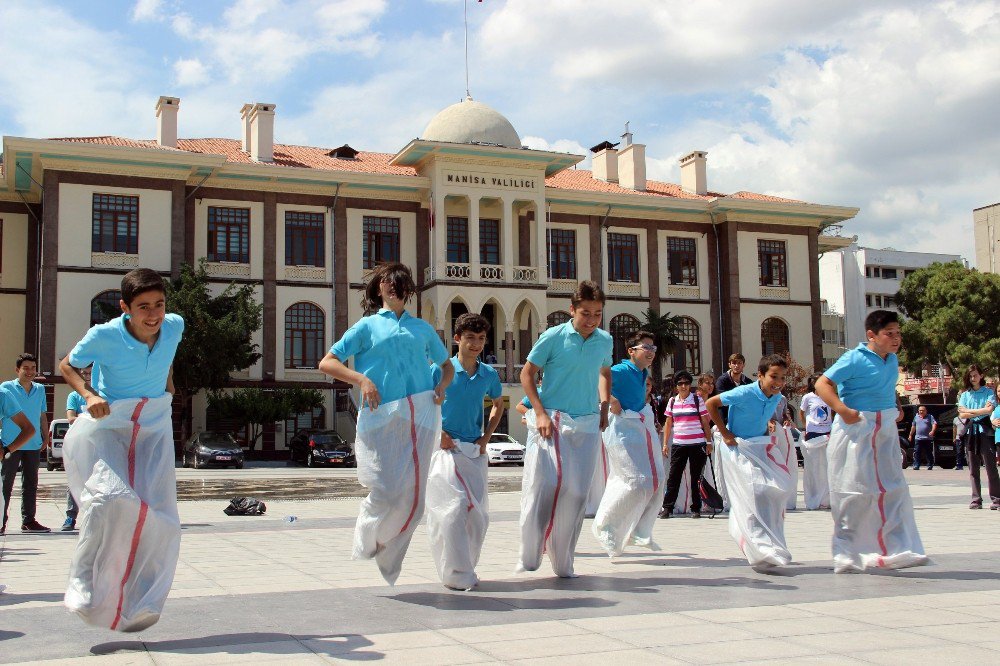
(143, 509)
(555, 500)
(881, 488)
(773, 445)
(604, 461)
(464, 487)
(649, 449)
(416, 466)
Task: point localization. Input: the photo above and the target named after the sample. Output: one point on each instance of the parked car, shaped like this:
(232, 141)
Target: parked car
(502, 448)
(944, 436)
(321, 447)
(212, 448)
(54, 454)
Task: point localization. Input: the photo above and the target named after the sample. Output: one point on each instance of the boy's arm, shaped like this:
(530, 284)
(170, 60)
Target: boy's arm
(496, 413)
(27, 431)
(96, 405)
(604, 391)
(334, 367)
(827, 392)
(712, 405)
(542, 421)
(43, 424)
(447, 374)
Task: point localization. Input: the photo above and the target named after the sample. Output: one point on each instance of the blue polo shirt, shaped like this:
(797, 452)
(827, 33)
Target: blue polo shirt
(32, 403)
(996, 415)
(394, 353)
(628, 385)
(462, 410)
(76, 403)
(124, 367)
(977, 400)
(749, 410)
(865, 381)
(572, 366)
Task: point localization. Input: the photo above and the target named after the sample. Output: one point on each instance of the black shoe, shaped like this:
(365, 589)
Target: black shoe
(696, 514)
(34, 527)
(665, 513)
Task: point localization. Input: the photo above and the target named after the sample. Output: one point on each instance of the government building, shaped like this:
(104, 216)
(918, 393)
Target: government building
(487, 225)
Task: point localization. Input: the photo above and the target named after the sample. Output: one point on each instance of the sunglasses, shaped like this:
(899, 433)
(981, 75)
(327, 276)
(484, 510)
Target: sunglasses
(649, 348)
(684, 383)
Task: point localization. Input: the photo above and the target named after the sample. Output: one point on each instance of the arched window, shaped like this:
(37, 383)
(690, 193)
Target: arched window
(622, 326)
(687, 353)
(556, 318)
(304, 331)
(774, 337)
(105, 306)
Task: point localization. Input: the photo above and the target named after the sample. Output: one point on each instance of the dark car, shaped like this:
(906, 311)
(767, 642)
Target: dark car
(944, 436)
(212, 448)
(321, 447)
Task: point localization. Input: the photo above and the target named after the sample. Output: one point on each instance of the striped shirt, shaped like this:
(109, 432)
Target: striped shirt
(686, 420)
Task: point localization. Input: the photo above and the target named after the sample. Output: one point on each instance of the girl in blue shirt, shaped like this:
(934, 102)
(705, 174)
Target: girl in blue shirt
(976, 404)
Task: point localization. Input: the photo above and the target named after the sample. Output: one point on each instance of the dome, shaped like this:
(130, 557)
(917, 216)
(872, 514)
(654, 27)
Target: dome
(470, 121)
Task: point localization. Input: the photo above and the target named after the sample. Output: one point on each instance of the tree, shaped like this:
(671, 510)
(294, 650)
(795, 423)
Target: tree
(952, 317)
(257, 406)
(664, 328)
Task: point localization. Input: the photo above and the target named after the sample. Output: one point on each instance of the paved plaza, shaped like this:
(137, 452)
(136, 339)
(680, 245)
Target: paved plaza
(261, 589)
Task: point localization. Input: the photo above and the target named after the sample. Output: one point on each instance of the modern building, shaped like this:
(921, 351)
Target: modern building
(856, 280)
(834, 328)
(986, 228)
(488, 225)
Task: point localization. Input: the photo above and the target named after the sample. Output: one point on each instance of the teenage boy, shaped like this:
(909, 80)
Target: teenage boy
(564, 430)
(75, 405)
(686, 442)
(457, 505)
(29, 398)
(120, 462)
(732, 378)
(872, 510)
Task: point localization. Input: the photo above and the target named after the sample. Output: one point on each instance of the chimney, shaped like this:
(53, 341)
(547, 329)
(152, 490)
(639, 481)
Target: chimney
(605, 162)
(694, 178)
(245, 121)
(262, 132)
(166, 121)
(632, 166)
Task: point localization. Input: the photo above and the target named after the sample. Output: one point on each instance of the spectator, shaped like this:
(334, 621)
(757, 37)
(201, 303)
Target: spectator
(29, 396)
(731, 379)
(922, 437)
(816, 414)
(995, 422)
(687, 425)
(706, 386)
(977, 403)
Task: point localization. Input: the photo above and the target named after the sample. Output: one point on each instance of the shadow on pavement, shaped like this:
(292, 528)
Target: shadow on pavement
(342, 646)
(13, 599)
(479, 602)
(8, 635)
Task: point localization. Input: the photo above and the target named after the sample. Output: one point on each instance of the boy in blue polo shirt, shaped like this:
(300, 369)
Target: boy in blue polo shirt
(457, 505)
(568, 414)
(75, 406)
(119, 458)
(873, 516)
(21, 440)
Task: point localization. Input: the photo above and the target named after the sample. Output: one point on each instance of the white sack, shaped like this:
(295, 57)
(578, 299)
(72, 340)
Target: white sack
(815, 480)
(683, 504)
(718, 473)
(598, 483)
(758, 478)
(634, 493)
(793, 470)
(457, 512)
(557, 477)
(873, 521)
(393, 448)
(121, 471)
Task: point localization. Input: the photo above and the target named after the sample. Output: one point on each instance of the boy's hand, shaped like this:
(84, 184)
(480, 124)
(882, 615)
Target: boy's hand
(615, 406)
(482, 442)
(544, 425)
(771, 427)
(446, 441)
(370, 394)
(851, 416)
(438, 394)
(728, 437)
(98, 407)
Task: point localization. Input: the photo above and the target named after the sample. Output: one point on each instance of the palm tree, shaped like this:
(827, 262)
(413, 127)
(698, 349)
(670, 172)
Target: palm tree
(664, 328)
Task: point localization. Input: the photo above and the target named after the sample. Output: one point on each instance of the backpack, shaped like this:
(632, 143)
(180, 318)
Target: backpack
(245, 506)
(710, 496)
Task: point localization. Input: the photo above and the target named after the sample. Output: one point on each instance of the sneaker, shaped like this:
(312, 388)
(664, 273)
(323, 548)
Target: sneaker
(696, 514)
(994, 507)
(929, 468)
(664, 513)
(69, 525)
(959, 468)
(976, 505)
(34, 527)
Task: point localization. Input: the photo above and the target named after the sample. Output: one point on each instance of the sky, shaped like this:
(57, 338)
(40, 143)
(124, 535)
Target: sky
(890, 106)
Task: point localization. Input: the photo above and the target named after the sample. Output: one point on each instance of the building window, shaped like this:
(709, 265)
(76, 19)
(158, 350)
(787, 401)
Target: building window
(888, 302)
(622, 327)
(304, 334)
(774, 337)
(458, 240)
(771, 256)
(312, 420)
(682, 261)
(381, 240)
(304, 239)
(229, 234)
(562, 254)
(868, 300)
(687, 353)
(623, 257)
(105, 306)
(889, 273)
(489, 241)
(556, 318)
(115, 224)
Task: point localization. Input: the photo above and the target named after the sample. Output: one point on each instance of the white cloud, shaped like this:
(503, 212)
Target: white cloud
(190, 72)
(147, 10)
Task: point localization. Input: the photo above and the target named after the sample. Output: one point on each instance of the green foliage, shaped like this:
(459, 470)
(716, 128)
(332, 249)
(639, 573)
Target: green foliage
(952, 317)
(664, 328)
(217, 330)
(257, 406)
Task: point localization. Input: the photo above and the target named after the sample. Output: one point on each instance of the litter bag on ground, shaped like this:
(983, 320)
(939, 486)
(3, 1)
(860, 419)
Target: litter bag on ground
(121, 471)
(245, 506)
(758, 480)
(393, 447)
(557, 475)
(634, 492)
(873, 521)
(815, 480)
(457, 512)
(598, 483)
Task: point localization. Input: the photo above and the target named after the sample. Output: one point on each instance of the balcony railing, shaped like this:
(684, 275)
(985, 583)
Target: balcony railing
(624, 289)
(113, 260)
(487, 273)
(491, 273)
(227, 269)
(776, 293)
(502, 371)
(562, 285)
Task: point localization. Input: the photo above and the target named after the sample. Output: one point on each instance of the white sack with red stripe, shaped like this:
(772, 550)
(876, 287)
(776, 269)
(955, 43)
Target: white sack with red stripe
(121, 471)
(393, 447)
(815, 480)
(793, 469)
(458, 512)
(683, 504)
(557, 475)
(634, 493)
(598, 483)
(873, 521)
(758, 477)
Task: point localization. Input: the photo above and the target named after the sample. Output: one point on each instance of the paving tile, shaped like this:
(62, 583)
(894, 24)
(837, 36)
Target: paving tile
(802, 626)
(630, 657)
(436, 656)
(705, 632)
(941, 654)
(552, 646)
(518, 631)
(723, 652)
(612, 625)
(750, 613)
(842, 641)
(335, 645)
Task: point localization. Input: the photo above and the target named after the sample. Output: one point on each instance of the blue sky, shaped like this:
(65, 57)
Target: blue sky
(888, 105)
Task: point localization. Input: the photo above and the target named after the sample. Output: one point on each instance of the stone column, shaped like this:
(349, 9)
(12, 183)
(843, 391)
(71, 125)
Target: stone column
(440, 255)
(508, 341)
(507, 238)
(474, 238)
(541, 260)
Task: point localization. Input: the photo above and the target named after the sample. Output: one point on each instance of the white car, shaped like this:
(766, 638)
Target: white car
(54, 454)
(502, 448)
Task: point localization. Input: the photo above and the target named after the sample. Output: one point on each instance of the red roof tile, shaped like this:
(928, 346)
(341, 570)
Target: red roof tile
(581, 179)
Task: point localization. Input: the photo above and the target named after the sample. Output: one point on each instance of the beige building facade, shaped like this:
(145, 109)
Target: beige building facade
(986, 229)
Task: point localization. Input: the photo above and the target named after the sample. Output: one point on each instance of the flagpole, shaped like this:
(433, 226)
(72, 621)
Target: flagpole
(466, 5)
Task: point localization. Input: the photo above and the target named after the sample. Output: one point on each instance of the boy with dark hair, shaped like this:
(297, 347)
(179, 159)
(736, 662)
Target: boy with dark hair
(872, 510)
(756, 459)
(457, 504)
(119, 459)
(22, 412)
(75, 406)
(686, 437)
(564, 430)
